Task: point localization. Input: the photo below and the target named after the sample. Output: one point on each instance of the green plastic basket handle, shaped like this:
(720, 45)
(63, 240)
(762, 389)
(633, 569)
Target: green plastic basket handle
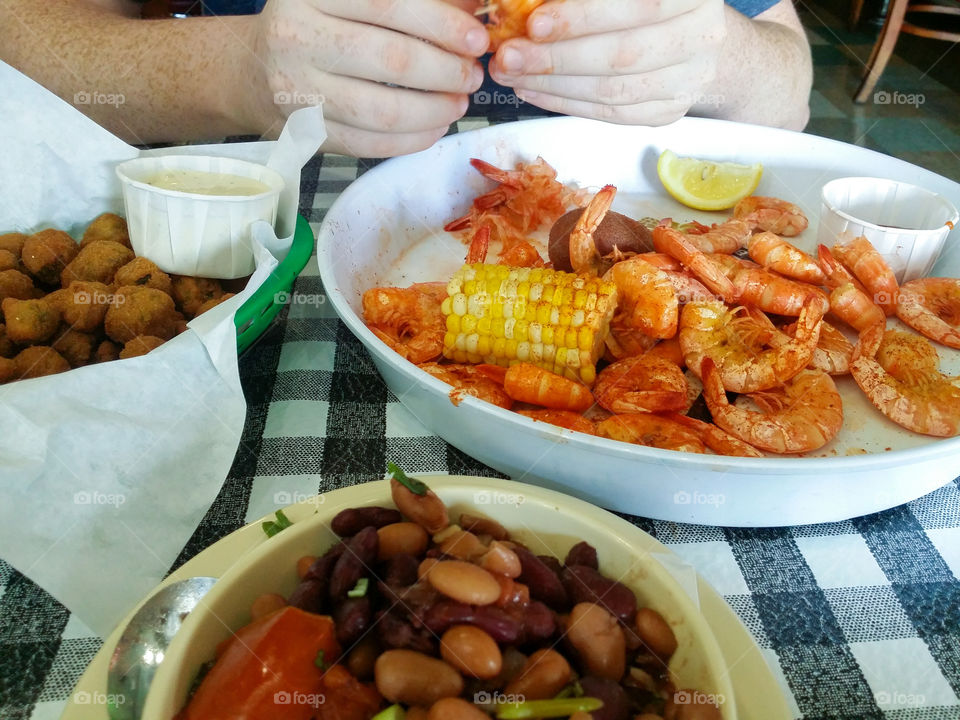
(262, 307)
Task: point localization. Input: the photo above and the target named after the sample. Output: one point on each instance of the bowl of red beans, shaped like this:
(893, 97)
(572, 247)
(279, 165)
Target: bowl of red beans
(437, 599)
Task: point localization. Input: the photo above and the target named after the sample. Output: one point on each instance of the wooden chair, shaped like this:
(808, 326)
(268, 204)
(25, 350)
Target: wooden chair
(892, 27)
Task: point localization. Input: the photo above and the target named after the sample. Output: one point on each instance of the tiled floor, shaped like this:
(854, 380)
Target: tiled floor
(912, 115)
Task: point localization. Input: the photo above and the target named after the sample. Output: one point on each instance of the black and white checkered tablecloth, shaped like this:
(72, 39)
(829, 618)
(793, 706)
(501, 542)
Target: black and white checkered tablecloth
(858, 619)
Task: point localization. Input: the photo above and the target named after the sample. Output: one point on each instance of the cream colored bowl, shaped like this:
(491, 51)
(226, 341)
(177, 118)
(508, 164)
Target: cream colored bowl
(547, 521)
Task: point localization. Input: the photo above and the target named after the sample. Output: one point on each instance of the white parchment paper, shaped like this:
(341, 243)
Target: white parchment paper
(106, 470)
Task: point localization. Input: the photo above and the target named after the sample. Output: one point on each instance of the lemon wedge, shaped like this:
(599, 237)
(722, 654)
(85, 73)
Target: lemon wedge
(706, 185)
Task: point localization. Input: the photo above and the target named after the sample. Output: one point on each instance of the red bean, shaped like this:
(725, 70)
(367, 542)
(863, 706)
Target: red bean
(582, 554)
(357, 558)
(616, 704)
(498, 624)
(309, 595)
(352, 618)
(353, 520)
(401, 570)
(323, 566)
(396, 632)
(587, 585)
(539, 622)
(543, 582)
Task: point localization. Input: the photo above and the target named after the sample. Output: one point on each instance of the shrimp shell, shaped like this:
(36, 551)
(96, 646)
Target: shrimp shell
(409, 320)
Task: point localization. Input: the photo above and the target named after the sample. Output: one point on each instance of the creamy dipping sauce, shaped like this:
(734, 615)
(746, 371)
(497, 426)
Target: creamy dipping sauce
(200, 182)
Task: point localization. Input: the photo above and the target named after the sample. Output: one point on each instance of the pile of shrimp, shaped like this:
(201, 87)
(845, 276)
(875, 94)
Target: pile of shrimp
(696, 321)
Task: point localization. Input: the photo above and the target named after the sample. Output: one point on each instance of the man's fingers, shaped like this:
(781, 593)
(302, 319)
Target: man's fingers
(655, 112)
(669, 83)
(372, 106)
(620, 52)
(348, 140)
(561, 20)
(436, 21)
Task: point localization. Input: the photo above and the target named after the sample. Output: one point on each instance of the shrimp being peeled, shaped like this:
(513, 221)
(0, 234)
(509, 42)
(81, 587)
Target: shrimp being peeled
(932, 306)
(740, 342)
(771, 215)
(802, 415)
(409, 320)
(642, 384)
(507, 19)
(469, 380)
(905, 384)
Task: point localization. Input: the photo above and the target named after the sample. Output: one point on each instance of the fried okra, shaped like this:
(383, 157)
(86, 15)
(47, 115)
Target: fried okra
(13, 243)
(106, 227)
(137, 310)
(8, 261)
(38, 361)
(213, 302)
(141, 271)
(75, 347)
(29, 322)
(190, 293)
(46, 253)
(107, 351)
(140, 345)
(98, 262)
(14, 284)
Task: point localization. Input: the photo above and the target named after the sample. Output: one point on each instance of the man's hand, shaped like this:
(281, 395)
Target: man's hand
(618, 60)
(392, 74)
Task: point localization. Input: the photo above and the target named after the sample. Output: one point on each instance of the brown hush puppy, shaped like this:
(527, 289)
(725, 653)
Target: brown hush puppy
(46, 253)
(106, 227)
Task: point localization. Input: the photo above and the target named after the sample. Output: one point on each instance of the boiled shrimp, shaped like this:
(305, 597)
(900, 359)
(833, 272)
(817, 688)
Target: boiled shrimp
(833, 352)
(738, 341)
(803, 414)
(508, 19)
(720, 441)
(519, 253)
(932, 306)
(584, 256)
(725, 238)
(905, 384)
(409, 320)
(774, 253)
(834, 273)
(669, 349)
(624, 342)
(647, 300)
(562, 418)
(862, 259)
(858, 311)
(771, 214)
(469, 380)
(526, 382)
(652, 431)
(642, 384)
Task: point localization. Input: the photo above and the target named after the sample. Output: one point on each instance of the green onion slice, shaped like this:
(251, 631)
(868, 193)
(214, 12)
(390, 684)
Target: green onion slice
(562, 707)
(360, 589)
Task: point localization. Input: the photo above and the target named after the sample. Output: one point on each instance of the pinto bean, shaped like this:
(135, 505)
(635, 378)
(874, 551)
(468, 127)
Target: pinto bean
(501, 560)
(417, 713)
(362, 657)
(304, 564)
(543, 582)
(655, 633)
(598, 640)
(412, 678)
(455, 709)
(587, 585)
(426, 510)
(463, 545)
(483, 526)
(502, 627)
(583, 553)
(464, 582)
(401, 570)
(401, 537)
(426, 565)
(359, 554)
(352, 619)
(266, 604)
(353, 520)
(471, 651)
(544, 674)
(616, 703)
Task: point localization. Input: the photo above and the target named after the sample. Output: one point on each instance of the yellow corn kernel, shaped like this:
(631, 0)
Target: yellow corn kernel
(500, 348)
(520, 328)
(510, 348)
(523, 351)
(468, 324)
(580, 299)
(472, 341)
(485, 344)
(547, 335)
(508, 325)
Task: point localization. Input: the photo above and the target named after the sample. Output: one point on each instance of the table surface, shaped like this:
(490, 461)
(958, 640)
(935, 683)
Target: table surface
(858, 619)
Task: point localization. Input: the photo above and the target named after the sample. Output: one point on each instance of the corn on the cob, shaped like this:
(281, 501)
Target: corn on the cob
(503, 315)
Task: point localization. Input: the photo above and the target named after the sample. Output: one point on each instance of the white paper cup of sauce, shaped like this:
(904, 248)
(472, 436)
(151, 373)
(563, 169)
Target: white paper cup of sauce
(907, 224)
(191, 214)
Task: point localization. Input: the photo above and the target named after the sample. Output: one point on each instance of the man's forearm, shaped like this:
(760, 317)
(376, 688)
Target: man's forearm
(145, 80)
(765, 71)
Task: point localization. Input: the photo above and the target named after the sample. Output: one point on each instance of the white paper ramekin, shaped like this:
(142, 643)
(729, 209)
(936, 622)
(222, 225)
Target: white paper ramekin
(193, 234)
(905, 223)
